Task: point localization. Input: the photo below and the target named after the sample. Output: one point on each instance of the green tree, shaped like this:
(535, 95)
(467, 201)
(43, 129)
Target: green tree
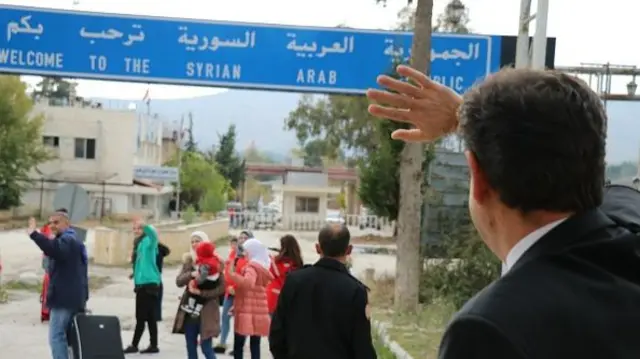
(21, 146)
(54, 87)
(379, 187)
(190, 145)
(339, 122)
(314, 151)
(230, 165)
(214, 199)
(198, 178)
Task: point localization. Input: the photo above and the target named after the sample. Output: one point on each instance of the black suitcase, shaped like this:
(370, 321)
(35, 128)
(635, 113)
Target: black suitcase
(95, 337)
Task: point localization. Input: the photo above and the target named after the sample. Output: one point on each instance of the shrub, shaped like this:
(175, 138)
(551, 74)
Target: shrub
(189, 215)
(467, 268)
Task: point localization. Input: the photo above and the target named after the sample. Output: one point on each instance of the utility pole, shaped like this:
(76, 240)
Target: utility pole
(534, 58)
(179, 154)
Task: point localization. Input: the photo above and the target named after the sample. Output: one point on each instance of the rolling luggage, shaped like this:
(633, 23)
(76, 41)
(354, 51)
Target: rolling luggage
(44, 311)
(95, 337)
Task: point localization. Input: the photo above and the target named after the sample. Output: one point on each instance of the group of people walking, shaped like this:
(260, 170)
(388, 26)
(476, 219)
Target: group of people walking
(246, 285)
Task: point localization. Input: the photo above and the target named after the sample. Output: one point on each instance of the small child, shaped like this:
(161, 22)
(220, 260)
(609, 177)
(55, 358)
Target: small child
(208, 268)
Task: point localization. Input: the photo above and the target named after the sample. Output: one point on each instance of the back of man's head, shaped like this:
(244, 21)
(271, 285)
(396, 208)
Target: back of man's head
(333, 241)
(537, 140)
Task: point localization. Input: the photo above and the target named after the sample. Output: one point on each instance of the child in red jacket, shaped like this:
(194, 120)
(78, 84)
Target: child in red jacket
(208, 268)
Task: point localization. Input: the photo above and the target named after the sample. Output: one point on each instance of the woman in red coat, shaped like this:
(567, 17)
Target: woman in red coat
(288, 259)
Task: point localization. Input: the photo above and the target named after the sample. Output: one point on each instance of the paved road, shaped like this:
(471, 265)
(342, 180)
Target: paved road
(22, 334)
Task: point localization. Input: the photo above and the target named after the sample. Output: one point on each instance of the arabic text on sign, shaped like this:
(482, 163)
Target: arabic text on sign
(113, 34)
(122, 47)
(24, 27)
(471, 53)
(312, 50)
(204, 43)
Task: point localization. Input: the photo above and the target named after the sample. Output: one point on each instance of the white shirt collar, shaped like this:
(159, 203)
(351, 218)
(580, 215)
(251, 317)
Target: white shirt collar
(525, 243)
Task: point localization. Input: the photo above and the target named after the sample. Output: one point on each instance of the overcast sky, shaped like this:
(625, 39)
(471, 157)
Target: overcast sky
(587, 31)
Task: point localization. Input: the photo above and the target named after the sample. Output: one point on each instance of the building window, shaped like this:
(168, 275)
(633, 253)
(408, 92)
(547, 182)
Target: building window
(51, 141)
(307, 204)
(144, 200)
(85, 148)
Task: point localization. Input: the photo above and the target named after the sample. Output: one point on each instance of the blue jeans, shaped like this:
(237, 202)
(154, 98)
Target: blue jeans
(226, 319)
(59, 320)
(191, 334)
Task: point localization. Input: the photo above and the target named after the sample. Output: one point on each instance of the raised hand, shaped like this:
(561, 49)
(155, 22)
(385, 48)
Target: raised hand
(31, 225)
(427, 105)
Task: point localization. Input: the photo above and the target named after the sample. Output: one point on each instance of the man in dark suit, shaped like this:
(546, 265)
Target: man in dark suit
(536, 153)
(322, 310)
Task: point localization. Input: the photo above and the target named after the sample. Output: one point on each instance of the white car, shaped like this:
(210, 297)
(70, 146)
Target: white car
(335, 218)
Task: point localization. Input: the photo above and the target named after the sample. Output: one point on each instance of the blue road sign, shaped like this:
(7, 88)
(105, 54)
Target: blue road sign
(225, 54)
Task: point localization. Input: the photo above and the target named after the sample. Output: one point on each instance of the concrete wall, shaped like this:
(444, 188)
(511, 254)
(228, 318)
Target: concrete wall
(113, 247)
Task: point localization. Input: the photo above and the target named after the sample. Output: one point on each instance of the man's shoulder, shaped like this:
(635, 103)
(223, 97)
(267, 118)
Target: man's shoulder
(530, 293)
(310, 272)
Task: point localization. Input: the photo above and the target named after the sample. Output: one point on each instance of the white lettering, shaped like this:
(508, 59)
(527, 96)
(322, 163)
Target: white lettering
(321, 77)
(137, 66)
(206, 70)
(44, 60)
(98, 63)
(454, 82)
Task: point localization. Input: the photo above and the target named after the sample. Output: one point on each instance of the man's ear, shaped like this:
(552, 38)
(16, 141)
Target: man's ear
(318, 250)
(479, 188)
(349, 249)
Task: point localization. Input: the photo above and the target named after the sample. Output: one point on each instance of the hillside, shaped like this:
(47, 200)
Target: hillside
(259, 116)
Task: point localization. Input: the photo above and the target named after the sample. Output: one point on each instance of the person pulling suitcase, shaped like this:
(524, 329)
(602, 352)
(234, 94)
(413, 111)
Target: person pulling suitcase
(68, 289)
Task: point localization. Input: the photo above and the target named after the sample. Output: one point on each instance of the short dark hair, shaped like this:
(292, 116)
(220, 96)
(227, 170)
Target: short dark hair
(62, 210)
(539, 137)
(334, 240)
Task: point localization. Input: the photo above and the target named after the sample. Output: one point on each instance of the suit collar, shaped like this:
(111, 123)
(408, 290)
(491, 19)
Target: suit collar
(331, 263)
(567, 233)
(520, 248)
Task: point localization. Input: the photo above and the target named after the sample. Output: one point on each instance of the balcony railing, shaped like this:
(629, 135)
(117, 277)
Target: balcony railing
(357, 224)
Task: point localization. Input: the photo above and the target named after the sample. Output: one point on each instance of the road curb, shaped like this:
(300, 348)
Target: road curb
(392, 345)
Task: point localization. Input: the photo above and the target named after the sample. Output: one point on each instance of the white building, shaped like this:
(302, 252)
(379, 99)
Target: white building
(304, 199)
(97, 149)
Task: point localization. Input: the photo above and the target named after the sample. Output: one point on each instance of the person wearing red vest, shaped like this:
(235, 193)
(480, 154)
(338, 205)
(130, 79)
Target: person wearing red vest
(288, 259)
(235, 256)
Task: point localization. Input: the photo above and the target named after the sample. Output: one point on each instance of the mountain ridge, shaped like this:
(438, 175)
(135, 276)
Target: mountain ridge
(259, 118)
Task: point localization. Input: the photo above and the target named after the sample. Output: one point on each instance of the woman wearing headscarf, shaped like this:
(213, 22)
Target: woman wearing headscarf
(250, 309)
(202, 328)
(163, 251)
(147, 281)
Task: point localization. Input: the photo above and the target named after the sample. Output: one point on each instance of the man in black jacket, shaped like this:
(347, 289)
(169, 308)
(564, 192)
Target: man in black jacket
(322, 310)
(536, 153)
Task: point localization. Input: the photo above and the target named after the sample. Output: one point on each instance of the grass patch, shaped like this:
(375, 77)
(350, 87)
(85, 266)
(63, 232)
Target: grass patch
(4, 295)
(95, 282)
(382, 351)
(29, 286)
(98, 282)
(418, 333)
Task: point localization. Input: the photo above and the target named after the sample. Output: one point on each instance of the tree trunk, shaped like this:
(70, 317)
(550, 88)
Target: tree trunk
(411, 179)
